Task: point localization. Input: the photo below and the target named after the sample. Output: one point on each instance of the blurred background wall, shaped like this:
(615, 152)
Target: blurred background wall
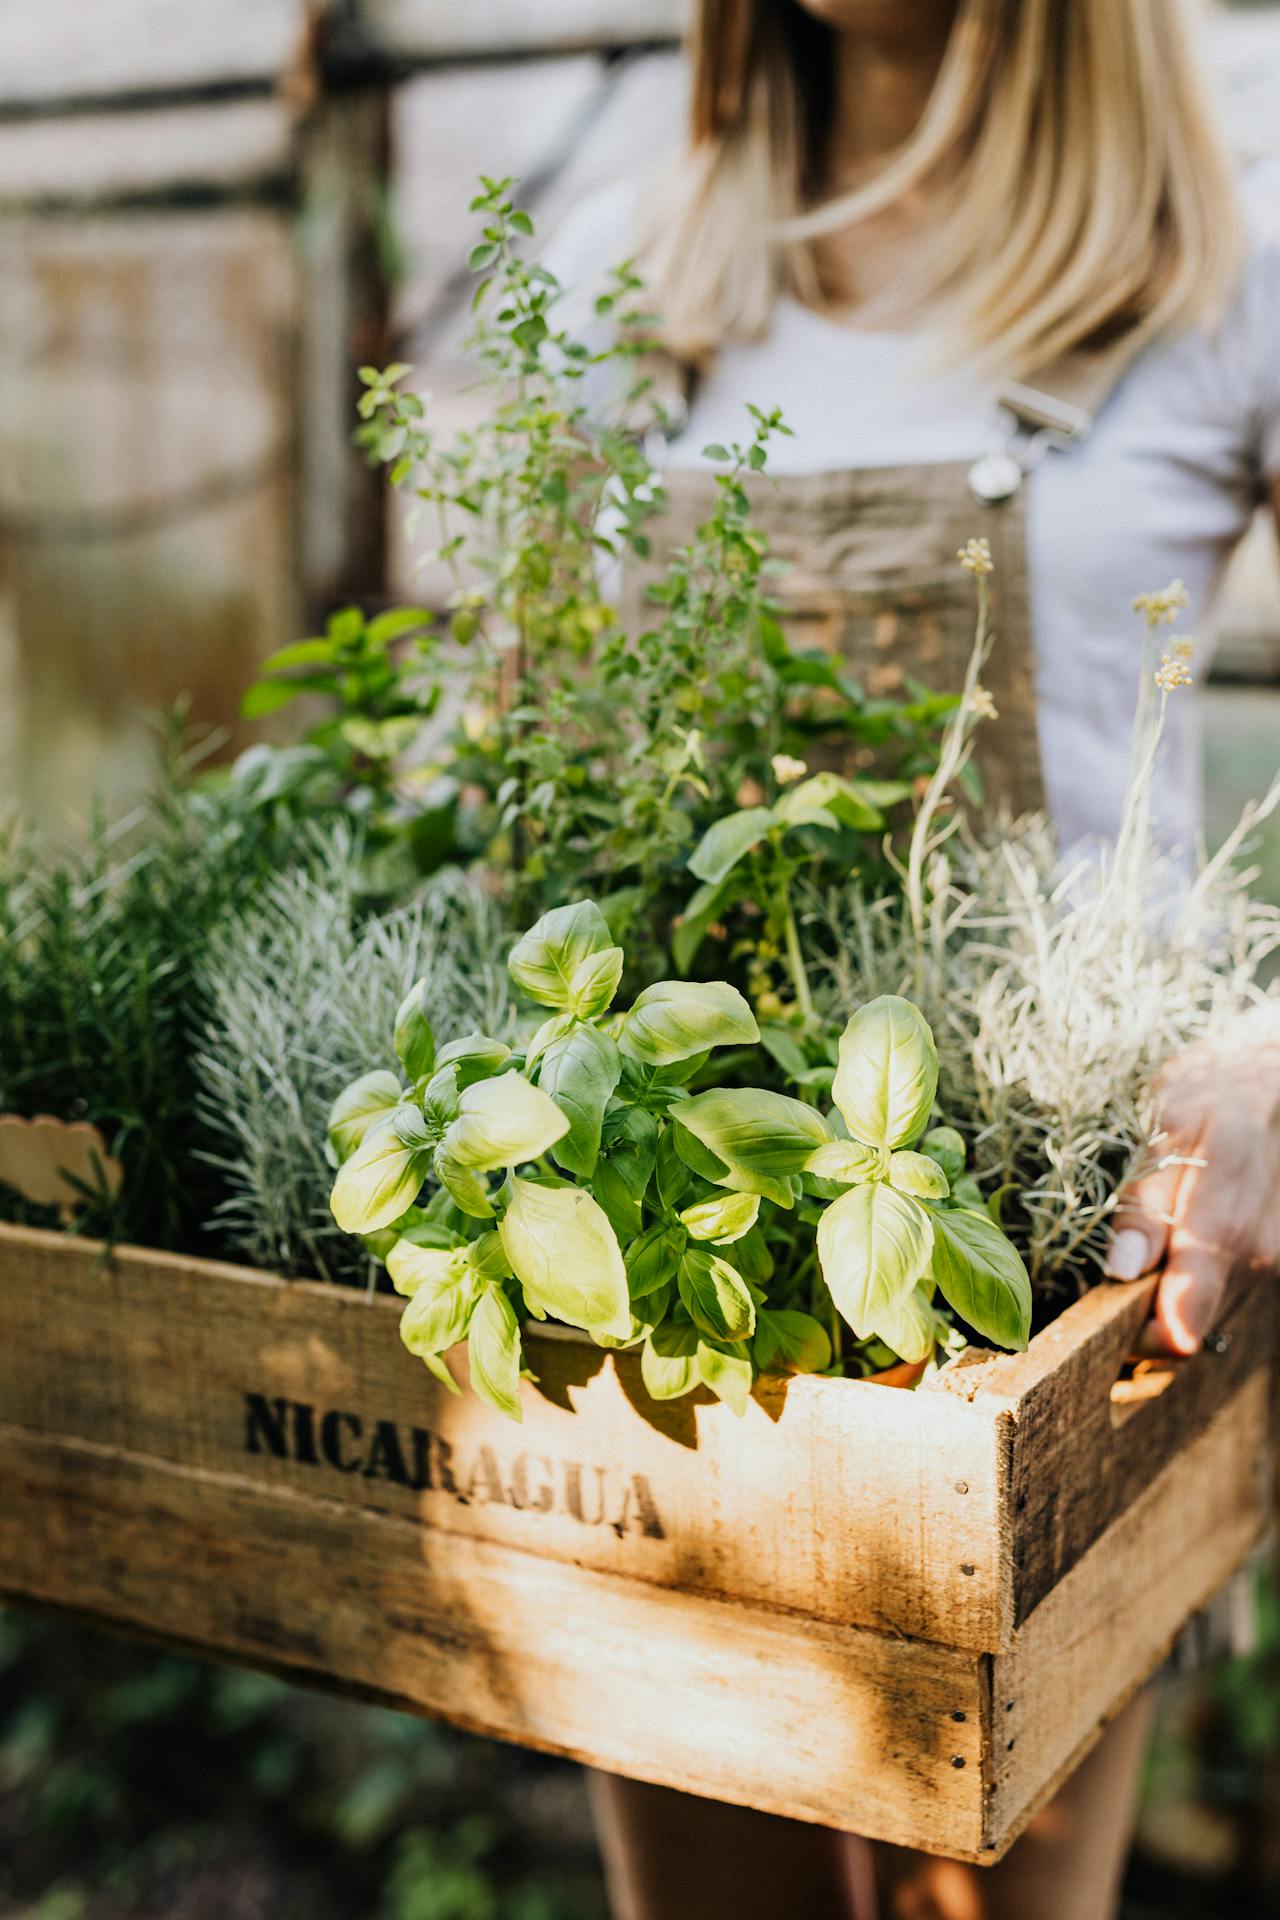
(211, 211)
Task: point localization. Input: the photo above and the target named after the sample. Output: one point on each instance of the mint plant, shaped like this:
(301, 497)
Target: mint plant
(580, 1177)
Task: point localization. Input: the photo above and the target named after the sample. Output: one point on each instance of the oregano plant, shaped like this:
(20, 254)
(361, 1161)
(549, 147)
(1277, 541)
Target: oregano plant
(597, 1175)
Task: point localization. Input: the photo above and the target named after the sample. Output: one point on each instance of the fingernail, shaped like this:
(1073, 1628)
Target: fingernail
(1129, 1254)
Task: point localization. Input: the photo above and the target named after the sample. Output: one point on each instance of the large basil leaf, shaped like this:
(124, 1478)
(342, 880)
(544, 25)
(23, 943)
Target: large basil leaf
(790, 1342)
(545, 961)
(415, 1043)
(579, 1071)
(715, 1295)
(413, 1266)
(674, 1178)
(437, 1317)
(752, 1140)
(595, 981)
(493, 1351)
(728, 1372)
(610, 1189)
(909, 1325)
(652, 1259)
(982, 1276)
(723, 1220)
(379, 1181)
(678, 1018)
(357, 1107)
(873, 1245)
(844, 1161)
(723, 845)
(669, 1362)
(887, 1073)
(475, 1056)
(566, 1256)
(502, 1122)
(918, 1173)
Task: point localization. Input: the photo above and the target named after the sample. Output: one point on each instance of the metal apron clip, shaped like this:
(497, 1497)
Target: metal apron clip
(1040, 423)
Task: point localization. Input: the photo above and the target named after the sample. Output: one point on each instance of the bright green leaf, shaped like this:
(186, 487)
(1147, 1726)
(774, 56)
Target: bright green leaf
(379, 1181)
(676, 1019)
(413, 1267)
(981, 1275)
(715, 1295)
(909, 1326)
(493, 1352)
(545, 961)
(752, 1140)
(873, 1245)
(566, 1256)
(887, 1073)
(728, 1373)
(357, 1107)
(595, 981)
(790, 1342)
(465, 1187)
(579, 1072)
(437, 1317)
(846, 1161)
(947, 1147)
(919, 1174)
(415, 1043)
(722, 1220)
(669, 1362)
(502, 1122)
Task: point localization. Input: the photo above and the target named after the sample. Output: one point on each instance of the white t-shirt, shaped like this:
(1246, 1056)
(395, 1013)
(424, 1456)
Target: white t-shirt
(1162, 488)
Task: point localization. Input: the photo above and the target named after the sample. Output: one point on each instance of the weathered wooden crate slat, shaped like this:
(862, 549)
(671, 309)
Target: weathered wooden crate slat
(905, 1614)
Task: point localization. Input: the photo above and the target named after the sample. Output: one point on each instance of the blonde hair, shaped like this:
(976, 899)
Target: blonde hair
(1084, 189)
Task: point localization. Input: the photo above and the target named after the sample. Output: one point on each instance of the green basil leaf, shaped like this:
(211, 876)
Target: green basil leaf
(464, 1185)
(415, 1043)
(751, 1140)
(630, 1138)
(437, 1317)
(873, 1245)
(947, 1147)
(917, 1173)
(502, 1122)
(845, 1161)
(790, 1342)
(546, 959)
(379, 1181)
(678, 1018)
(887, 1073)
(434, 1363)
(728, 1372)
(724, 1219)
(595, 981)
(412, 1266)
(652, 1260)
(830, 793)
(624, 1212)
(700, 910)
(356, 1108)
(673, 1176)
(910, 1326)
(476, 1056)
(669, 1362)
(981, 1275)
(752, 1257)
(566, 1257)
(579, 1072)
(493, 1352)
(715, 1295)
(724, 844)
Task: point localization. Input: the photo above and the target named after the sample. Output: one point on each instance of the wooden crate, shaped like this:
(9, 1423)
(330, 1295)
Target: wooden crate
(906, 1614)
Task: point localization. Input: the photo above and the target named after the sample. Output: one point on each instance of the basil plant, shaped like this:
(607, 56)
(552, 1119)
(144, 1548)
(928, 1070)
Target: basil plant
(725, 1232)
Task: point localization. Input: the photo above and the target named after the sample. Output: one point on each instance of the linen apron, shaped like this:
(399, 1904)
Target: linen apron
(874, 576)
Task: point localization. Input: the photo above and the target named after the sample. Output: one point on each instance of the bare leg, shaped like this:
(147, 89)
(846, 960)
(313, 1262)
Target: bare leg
(672, 1856)
(1067, 1865)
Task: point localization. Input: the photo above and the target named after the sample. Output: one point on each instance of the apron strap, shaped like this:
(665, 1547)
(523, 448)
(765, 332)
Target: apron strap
(1065, 398)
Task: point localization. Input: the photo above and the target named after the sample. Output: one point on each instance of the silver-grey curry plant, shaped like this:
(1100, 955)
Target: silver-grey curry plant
(578, 1178)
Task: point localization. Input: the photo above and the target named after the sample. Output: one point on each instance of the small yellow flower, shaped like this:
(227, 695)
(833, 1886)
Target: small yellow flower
(1183, 650)
(1171, 673)
(975, 556)
(787, 768)
(984, 707)
(1161, 609)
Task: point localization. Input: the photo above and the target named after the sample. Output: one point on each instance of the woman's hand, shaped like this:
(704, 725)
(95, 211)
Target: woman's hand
(1209, 1200)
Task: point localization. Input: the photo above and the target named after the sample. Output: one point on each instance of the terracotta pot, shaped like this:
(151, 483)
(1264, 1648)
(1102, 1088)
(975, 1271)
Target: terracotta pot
(904, 1374)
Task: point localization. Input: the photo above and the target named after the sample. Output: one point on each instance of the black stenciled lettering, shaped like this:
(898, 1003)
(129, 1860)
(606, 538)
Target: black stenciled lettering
(486, 1479)
(304, 1434)
(264, 1421)
(331, 1439)
(444, 1469)
(638, 1504)
(421, 1476)
(536, 1499)
(573, 1494)
(386, 1459)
